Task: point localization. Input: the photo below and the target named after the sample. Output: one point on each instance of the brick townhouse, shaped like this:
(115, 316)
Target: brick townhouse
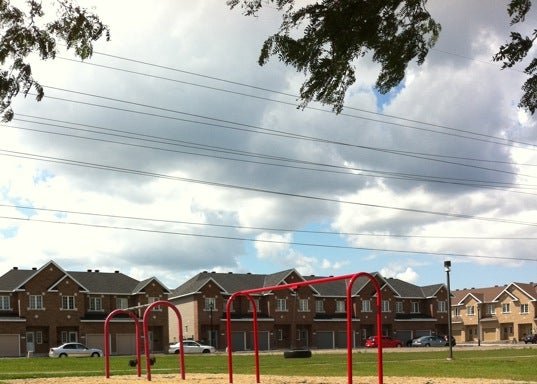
(312, 316)
(44, 307)
(504, 313)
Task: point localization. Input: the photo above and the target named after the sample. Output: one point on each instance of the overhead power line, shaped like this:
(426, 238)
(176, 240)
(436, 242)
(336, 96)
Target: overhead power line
(325, 168)
(243, 227)
(260, 130)
(272, 241)
(253, 189)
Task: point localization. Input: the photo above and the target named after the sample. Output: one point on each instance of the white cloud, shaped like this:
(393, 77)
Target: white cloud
(399, 272)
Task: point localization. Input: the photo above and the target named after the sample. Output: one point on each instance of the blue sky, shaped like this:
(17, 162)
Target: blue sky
(156, 132)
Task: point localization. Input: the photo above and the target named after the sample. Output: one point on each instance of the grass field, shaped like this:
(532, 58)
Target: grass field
(514, 364)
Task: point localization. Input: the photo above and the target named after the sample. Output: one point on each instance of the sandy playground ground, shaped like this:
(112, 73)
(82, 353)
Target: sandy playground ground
(197, 378)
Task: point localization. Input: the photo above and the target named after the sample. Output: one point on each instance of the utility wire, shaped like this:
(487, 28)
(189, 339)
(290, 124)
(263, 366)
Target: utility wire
(254, 189)
(332, 169)
(265, 131)
(273, 241)
(264, 229)
(503, 141)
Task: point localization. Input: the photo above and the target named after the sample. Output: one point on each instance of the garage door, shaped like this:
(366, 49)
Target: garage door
(324, 339)
(489, 334)
(95, 341)
(405, 336)
(341, 339)
(238, 341)
(9, 345)
(263, 339)
(126, 344)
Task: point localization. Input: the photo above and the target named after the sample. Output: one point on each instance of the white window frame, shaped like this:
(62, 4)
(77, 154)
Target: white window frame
(151, 300)
(506, 308)
(5, 303)
(491, 309)
(456, 312)
(250, 308)
(122, 302)
(68, 303)
(95, 304)
(385, 306)
(35, 302)
(340, 306)
(442, 306)
(39, 337)
(280, 334)
(207, 304)
(303, 305)
(319, 306)
(399, 307)
(415, 307)
(470, 310)
(281, 305)
(524, 309)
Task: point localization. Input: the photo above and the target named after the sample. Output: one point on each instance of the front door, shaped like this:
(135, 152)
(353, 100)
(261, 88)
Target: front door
(30, 342)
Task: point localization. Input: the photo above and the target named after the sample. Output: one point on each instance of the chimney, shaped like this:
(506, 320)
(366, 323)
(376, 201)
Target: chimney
(34, 269)
(16, 268)
(116, 271)
(97, 270)
(230, 273)
(89, 270)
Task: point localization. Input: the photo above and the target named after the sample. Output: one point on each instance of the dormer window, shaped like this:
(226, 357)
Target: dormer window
(68, 303)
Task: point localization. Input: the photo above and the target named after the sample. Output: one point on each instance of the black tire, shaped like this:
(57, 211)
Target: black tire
(297, 354)
(206, 351)
(95, 354)
(427, 345)
(62, 355)
(176, 352)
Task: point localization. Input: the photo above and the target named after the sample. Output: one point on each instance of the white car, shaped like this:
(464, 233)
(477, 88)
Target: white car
(74, 350)
(191, 346)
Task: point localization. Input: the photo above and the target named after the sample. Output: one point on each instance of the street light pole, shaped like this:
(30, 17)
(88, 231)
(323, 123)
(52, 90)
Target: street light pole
(447, 268)
(211, 320)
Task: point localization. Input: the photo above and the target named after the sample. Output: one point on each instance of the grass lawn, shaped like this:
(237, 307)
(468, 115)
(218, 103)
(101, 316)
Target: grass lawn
(514, 364)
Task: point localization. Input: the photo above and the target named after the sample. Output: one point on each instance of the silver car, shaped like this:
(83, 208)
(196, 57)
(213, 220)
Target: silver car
(74, 350)
(191, 346)
(429, 341)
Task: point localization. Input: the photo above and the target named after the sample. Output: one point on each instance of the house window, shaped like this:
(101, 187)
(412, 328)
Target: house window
(39, 337)
(68, 302)
(36, 302)
(340, 305)
(250, 307)
(151, 300)
(524, 308)
(69, 337)
(95, 304)
(415, 307)
(470, 310)
(5, 303)
(456, 311)
(491, 309)
(442, 306)
(385, 306)
(122, 303)
(319, 306)
(366, 305)
(210, 304)
(506, 308)
(280, 334)
(303, 305)
(399, 307)
(281, 305)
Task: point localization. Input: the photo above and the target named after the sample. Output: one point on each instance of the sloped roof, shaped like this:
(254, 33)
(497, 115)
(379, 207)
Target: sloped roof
(98, 282)
(13, 278)
(485, 295)
(408, 290)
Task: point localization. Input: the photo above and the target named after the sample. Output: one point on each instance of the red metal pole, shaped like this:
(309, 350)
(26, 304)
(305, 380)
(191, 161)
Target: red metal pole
(256, 339)
(228, 338)
(107, 339)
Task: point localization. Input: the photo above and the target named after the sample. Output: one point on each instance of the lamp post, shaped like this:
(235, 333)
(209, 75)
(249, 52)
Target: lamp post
(211, 308)
(447, 268)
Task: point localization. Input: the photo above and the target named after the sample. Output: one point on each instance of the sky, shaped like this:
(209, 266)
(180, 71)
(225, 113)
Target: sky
(171, 151)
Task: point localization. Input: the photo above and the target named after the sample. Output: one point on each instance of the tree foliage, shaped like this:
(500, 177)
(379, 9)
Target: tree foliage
(517, 49)
(23, 32)
(325, 39)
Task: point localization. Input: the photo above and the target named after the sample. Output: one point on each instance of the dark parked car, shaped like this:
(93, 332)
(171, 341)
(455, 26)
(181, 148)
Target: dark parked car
(530, 339)
(432, 341)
